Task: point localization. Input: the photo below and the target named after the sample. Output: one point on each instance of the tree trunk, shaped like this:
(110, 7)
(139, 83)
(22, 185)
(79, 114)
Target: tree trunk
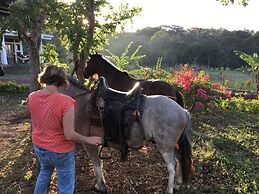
(34, 68)
(91, 19)
(34, 40)
(80, 65)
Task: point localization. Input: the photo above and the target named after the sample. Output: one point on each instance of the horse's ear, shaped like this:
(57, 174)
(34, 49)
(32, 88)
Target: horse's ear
(94, 55)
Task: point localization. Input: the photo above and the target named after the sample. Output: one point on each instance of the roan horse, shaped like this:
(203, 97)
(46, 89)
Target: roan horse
(122, 81)
(163, 121)
(2, 72)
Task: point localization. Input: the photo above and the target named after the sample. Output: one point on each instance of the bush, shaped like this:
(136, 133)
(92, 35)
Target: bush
(197, 88)
(240, 104)
(13, 87)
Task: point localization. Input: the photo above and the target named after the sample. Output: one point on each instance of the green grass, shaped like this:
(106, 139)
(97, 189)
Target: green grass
(235, 79)
(225, 150)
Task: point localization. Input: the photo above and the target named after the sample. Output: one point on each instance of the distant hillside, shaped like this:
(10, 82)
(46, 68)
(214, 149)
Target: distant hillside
(205, 47)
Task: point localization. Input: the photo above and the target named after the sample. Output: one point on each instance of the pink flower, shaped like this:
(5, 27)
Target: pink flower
(199, 105)
(200, 91)
(211, 105)
(228, 94)
(186, 86)
(206, 78)
(203, 94)
(216, 85)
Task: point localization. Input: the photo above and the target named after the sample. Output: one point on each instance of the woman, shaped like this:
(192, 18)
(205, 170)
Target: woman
(53, 132)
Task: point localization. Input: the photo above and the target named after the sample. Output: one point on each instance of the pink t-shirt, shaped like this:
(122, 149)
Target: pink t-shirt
(47, 111)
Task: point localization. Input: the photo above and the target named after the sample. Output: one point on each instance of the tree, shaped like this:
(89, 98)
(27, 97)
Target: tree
(84, 25)
(28, 18)
(125, 59)
(253, 62)
(227, 2)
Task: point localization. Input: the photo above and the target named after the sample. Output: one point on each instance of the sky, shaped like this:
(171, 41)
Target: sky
(194, 13)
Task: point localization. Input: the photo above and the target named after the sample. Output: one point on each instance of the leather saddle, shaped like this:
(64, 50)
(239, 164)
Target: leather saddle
(118, 111)
(108, 93)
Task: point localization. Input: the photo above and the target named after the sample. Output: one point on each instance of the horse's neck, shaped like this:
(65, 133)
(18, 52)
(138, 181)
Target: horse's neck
(109, 70)
(117, 79)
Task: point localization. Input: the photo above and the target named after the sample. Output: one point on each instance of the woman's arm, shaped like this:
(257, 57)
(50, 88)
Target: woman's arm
(71, 134)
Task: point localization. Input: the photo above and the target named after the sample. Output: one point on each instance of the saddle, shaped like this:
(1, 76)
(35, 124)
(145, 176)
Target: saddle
(111, 94)
(118, 111)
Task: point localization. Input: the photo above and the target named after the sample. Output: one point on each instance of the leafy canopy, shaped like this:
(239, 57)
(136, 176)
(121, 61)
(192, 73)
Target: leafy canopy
(72, 23)
(227, 2)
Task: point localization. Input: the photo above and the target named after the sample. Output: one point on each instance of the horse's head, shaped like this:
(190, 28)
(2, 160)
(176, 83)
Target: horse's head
(94, 65)
(2, 72)
(98, 64)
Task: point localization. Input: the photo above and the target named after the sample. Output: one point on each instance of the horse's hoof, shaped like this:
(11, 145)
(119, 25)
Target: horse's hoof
(176, 190)
(94, 189)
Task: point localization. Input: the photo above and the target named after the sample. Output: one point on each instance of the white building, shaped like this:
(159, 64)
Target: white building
(14, 51)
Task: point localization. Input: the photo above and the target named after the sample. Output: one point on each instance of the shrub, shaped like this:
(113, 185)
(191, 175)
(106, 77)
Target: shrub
(197, 88)
(13, 87)
(240, 104)
(156, 72)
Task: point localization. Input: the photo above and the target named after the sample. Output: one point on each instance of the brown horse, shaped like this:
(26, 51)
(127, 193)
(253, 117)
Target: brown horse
(172, 124)
(84, 124)
(121, 80)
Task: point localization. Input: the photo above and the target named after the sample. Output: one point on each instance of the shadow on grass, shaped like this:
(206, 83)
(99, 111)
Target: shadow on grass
(239, 164)
(225, 153)
(18, 169)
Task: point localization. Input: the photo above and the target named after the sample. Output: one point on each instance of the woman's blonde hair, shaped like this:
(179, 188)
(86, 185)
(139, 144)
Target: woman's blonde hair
(53, 75)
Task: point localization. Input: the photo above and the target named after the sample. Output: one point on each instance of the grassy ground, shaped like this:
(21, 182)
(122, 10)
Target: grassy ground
(19, 74)
(235, 79)
(225, 149)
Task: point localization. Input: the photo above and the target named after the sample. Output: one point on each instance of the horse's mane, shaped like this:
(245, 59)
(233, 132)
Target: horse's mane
(108, 62)
(73, 81)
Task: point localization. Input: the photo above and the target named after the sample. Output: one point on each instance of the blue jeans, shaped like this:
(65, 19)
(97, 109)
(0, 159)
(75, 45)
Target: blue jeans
(65, 168)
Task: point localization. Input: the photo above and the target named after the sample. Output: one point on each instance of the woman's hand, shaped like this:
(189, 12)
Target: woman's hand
(94, 140)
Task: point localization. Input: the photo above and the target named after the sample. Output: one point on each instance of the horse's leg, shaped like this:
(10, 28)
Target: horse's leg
(93, 154)
(170, 160)
(178, 173)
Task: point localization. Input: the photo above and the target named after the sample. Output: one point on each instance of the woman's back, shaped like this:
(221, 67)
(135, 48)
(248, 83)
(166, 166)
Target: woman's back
(47, 111)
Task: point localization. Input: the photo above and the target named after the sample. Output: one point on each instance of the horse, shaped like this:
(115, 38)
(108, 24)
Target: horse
(163, 121)
(122, 81)
(85, 124)
(2, 72)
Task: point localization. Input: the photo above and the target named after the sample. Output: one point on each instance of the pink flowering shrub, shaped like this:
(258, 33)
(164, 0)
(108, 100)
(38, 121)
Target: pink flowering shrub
(197, 88)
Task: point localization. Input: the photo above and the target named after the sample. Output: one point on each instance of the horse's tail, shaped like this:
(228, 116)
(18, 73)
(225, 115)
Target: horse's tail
(185, 146)
(179, 98)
